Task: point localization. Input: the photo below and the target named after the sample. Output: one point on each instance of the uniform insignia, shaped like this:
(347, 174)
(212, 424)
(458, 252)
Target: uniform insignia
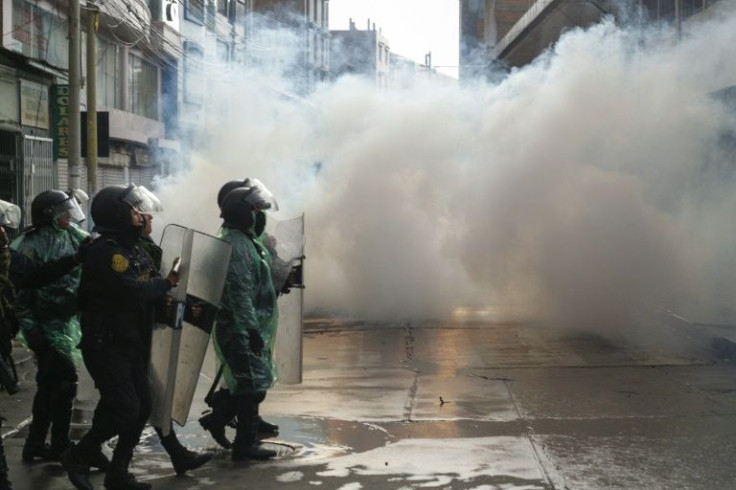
(119, 263)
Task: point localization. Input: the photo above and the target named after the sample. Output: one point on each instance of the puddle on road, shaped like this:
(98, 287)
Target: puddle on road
(305, 439)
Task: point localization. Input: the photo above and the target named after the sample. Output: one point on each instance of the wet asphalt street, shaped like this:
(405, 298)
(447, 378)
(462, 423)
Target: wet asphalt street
(467, 406)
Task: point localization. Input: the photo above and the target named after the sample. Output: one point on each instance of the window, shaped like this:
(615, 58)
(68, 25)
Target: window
(39, 34)
(194, 81)
(690, 7)
(194, 11)
(108, 74)
(223, 52)
(222, 7)
(239, 11)
(211, 19)
(142, 87)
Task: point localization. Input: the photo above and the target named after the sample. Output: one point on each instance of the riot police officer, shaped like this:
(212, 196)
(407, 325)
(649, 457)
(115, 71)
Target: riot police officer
(221, 401)
(21, 272)
(119, 287)
(246, 322)
(48, 321)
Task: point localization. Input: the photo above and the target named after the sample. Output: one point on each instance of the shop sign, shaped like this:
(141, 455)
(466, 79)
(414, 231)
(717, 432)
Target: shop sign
(34, 104)
(60, 111)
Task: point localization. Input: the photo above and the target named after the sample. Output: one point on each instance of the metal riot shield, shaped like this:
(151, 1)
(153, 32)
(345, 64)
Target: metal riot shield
(184, 321)
(285, 241)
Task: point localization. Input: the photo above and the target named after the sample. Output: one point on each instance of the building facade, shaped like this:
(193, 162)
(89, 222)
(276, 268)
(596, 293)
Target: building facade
(512, 33)
(302, 27)
(365, 53)
(157, 64)
(34, 62)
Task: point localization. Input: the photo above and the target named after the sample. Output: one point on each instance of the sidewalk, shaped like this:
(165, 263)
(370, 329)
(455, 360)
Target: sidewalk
(718, 340)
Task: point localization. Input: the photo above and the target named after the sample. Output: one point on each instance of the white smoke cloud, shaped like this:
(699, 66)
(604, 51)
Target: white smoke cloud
(581, 189)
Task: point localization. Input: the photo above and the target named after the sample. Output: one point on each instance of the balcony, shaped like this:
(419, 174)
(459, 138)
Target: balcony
(541, 26)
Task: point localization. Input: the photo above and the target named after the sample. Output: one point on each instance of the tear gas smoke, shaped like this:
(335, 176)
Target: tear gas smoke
(589, 186)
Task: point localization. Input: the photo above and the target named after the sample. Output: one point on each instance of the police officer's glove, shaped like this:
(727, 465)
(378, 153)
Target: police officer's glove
(82, 250)
(256, 341)
(36, 340)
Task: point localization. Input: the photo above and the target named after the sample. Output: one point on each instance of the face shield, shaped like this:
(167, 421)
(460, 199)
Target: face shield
(80, 196)
(259, 196)
(141, 199)
(9, 215)
(70, 206)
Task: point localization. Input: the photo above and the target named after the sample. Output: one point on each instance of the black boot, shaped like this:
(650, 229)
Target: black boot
(99, 460)
(211, 423)
(34, 449)
(118, 477)
(182, 458)
(246, 445)
(267, 427)
(4, 481)
(223, 411)
(75, 463)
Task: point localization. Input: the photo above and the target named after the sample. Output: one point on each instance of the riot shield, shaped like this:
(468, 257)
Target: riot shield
(184, 321)
(207, 272)
(175, 242)
(285, 240)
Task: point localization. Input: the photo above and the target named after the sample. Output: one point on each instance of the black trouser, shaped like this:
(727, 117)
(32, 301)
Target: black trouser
(56, 387)
(121, 377)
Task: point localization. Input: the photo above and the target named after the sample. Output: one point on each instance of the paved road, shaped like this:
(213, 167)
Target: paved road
(473, 406)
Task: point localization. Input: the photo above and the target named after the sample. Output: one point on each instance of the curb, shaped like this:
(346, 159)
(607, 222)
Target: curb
(717, 340)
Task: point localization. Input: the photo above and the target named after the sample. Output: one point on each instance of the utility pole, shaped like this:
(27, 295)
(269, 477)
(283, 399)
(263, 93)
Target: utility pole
(92, 18)
(75, 141)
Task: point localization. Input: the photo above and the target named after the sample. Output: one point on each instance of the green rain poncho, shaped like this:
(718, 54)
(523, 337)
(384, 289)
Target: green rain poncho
(248, 304)
(52, 308)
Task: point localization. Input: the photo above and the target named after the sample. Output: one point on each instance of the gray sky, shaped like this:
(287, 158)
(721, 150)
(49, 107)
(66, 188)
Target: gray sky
(412, 27)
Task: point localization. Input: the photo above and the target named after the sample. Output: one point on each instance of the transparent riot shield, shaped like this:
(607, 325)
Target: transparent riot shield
(175, 242)
(184, 321)
(207, 272)
(285, 240)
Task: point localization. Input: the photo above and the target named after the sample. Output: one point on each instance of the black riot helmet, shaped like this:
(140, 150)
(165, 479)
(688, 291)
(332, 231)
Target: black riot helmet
(111, 207)
(241, 204)
(48, 204)
(227, 187)
(236, 210)
(261, 198)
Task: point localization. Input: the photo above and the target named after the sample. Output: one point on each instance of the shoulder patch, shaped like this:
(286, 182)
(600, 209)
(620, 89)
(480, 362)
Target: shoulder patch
(119, 263)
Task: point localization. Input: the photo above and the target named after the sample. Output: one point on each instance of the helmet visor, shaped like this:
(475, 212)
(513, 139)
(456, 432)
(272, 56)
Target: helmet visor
(142, 200)
(72, 207)
(80, 196)
(9, 215)
(260, 197)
